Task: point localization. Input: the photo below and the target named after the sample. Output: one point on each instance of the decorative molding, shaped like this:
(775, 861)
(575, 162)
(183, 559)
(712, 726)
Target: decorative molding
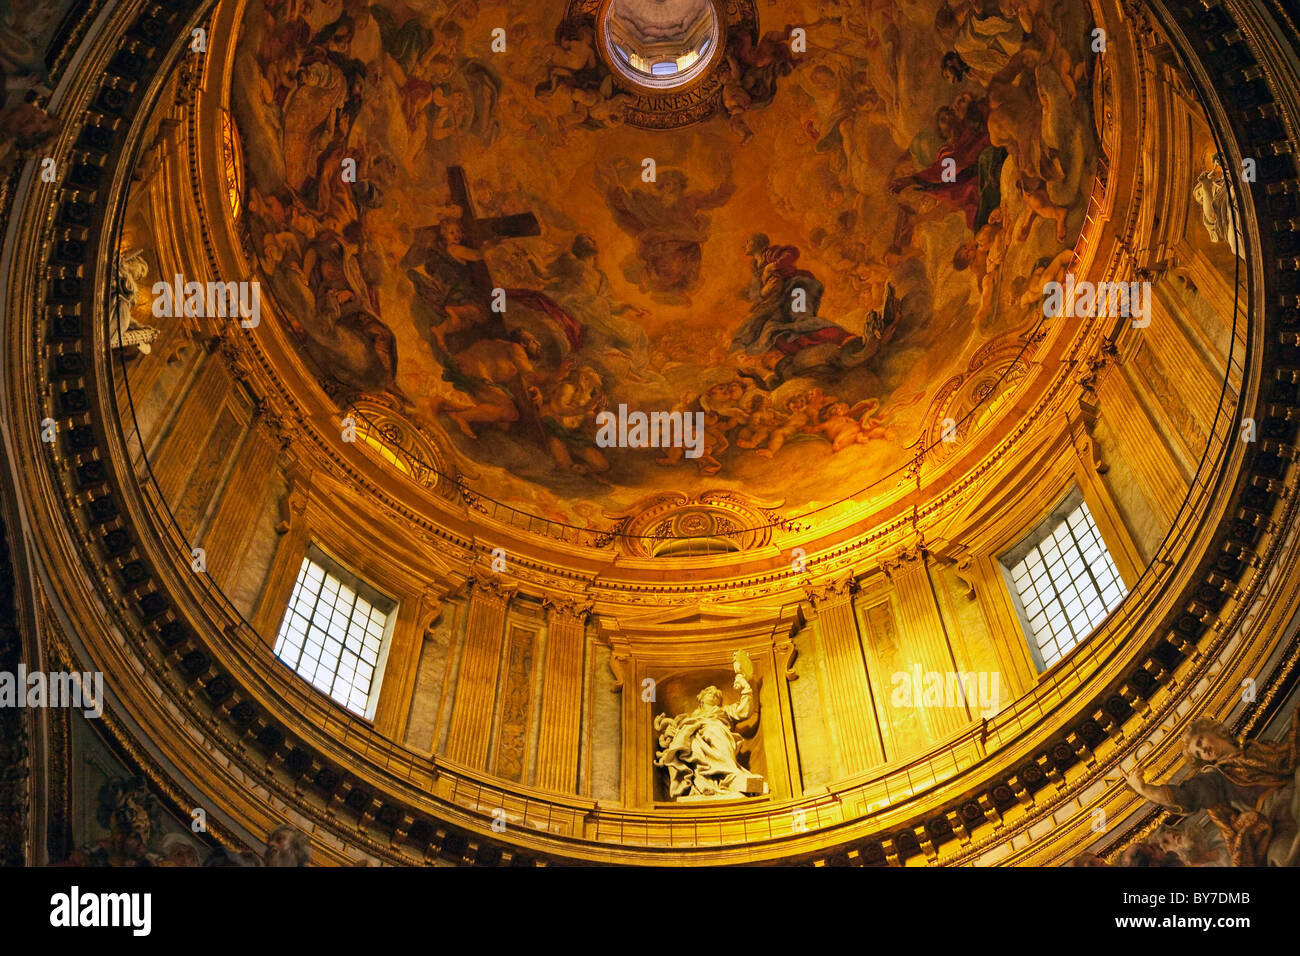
(561, 609)
(963, 567)
(904, 560)
(292, 507)
(492, 589)
(832, 590)
(671, 523)
(618, 661)
(786, 654)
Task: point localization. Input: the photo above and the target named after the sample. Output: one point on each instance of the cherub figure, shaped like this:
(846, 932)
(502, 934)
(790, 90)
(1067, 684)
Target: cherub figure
(24, 128)
(445, 280)
(455, 111)
(796, 420)
(568, 413)
(818, 400)
(567, 59)
(758, 430)
(844, 426)
(735, 99)
(715, 443)
(1191, 844)
(287, 846)
(983, 256)
(1045, 271)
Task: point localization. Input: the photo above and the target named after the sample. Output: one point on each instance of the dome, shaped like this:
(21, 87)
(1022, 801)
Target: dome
(662, 44)
(661, 432)
(769, 304)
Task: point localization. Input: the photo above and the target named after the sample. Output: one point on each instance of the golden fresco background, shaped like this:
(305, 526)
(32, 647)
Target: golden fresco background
(822, 180)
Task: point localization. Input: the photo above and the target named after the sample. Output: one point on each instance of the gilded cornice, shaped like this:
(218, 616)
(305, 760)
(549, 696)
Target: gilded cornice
(904, 561)
(492, 589)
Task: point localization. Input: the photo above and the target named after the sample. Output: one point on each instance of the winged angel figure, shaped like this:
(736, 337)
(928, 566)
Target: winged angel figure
(700, 749)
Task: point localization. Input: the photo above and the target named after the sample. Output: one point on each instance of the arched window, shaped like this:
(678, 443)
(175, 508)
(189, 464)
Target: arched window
(232, 163)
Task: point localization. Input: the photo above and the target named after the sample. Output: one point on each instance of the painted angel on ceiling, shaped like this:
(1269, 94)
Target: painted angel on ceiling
(785, 331)
(670, 224)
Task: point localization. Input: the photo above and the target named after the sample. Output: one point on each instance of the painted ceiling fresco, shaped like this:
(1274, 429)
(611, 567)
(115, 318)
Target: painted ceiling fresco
(819, 179)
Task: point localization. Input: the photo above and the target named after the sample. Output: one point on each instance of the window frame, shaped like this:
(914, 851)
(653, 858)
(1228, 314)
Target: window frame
(363, 590)
(1072, 501)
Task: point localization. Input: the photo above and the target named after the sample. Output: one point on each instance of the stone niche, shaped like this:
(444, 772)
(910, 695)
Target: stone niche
(678, 652)
(676, 693)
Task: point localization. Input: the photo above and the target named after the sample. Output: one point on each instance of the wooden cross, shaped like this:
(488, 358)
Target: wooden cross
(479, 231)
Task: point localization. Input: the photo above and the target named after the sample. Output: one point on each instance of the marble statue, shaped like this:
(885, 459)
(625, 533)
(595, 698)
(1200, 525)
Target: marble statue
(700, 749)
(123, 329)
(1211, 194)
(1250, 789)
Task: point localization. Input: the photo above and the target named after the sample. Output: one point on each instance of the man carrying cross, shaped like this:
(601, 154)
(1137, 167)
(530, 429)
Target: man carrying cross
(455, 278)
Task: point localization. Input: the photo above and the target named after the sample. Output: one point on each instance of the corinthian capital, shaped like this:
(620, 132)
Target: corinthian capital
(490, 587)
(831, 589)
(904, 560)
(574, 607)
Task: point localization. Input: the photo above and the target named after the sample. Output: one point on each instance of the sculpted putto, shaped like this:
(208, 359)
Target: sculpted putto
(700, 749)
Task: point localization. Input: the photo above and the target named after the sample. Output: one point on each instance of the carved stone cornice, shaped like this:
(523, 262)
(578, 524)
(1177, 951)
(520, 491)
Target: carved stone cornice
(232, 356)
(270, 419)
(1094, 370)
(743, 522)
